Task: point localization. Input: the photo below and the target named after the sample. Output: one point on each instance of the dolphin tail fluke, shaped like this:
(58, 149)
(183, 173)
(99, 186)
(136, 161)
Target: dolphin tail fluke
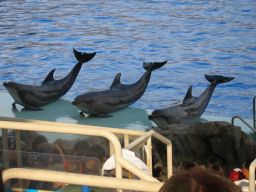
(83, 57)
(217, 79)
(153, 65)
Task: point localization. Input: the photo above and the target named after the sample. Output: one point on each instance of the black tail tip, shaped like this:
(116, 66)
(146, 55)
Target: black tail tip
(218, 78)
(153, 65)
(83, 57)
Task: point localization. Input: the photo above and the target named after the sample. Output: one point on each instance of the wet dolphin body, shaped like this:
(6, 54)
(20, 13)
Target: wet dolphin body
(118, 96)
(31, 96)
(190, 109)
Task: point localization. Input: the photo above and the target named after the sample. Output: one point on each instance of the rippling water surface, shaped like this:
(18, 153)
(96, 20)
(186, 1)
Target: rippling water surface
(196, 37)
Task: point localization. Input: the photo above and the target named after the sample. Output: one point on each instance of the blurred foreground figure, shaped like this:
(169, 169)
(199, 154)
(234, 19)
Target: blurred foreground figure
(198, 179)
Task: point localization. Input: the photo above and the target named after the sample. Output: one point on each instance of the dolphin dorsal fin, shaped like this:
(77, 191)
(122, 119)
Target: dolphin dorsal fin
(49, 77)
(116, 81)
(188, 94)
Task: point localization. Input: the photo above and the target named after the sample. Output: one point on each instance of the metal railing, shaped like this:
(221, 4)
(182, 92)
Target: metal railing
(135, 144)
(80, 179)
(254, 118)
(252, 170)
(54, 127)
(127, 134)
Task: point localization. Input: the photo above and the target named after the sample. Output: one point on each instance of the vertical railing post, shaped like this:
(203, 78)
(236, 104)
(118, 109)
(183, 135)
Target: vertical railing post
(149, 155)
(169, 160)
(5, 151)
(18, 152)
(111, 149)
(126, 140)
(254, 113)
(252, 176)
(5, 148)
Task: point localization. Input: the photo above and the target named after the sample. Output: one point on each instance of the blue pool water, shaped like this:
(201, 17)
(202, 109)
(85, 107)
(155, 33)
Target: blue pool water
(196, 37)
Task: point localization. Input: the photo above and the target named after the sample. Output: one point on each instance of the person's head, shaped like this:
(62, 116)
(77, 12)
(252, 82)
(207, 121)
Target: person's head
(198, 179)
(216, 169)
(91, 165)
(185, 165)
(73, 166)
(80, 148)
(46, 153)
(37, 141)
(98, 152)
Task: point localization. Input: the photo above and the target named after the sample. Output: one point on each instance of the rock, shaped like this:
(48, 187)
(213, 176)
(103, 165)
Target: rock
(207, 142)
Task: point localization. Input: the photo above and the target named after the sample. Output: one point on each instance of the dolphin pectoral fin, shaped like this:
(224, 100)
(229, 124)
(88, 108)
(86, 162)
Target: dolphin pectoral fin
(83, 57)
(116, 81)
(14, 109)
(14, 105)
(33, 108)
(49, 77)
(82, 114)
(101, 115)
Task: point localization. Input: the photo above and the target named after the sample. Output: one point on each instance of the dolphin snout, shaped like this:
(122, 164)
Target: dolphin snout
(150, 117)
(5, 84)
(74, 102)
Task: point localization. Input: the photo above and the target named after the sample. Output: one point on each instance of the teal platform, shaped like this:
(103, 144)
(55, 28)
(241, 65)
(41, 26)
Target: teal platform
(64, 111)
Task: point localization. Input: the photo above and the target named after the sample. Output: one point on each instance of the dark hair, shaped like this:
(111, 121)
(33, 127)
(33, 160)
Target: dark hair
(98, 152)
(185, 165)
(38, 140)
(45, 152)
(80, 148)
(198, 179)
(216, 169)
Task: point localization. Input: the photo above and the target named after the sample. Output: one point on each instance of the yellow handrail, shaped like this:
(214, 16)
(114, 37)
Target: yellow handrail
(113, 130)
(252, 169)
(80, 179)
(56, 127)
(125, 132)
(66, 129)
(166, 141)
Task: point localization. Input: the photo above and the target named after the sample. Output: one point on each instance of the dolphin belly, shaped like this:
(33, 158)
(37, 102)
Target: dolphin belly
(101, 103)
(171, 114)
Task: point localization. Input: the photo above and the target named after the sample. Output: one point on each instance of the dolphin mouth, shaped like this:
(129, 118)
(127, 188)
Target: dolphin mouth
(75, 102)
(5, 84)
(152, 117)
(10, 85)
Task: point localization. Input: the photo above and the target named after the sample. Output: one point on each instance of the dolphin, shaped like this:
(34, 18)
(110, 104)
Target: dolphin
(118, 96)
(33, 96)
(190, 109)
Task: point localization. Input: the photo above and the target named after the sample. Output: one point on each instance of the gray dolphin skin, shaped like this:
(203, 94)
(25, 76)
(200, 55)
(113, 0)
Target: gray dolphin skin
(190, 109)
(118, 96)
(33, 96)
